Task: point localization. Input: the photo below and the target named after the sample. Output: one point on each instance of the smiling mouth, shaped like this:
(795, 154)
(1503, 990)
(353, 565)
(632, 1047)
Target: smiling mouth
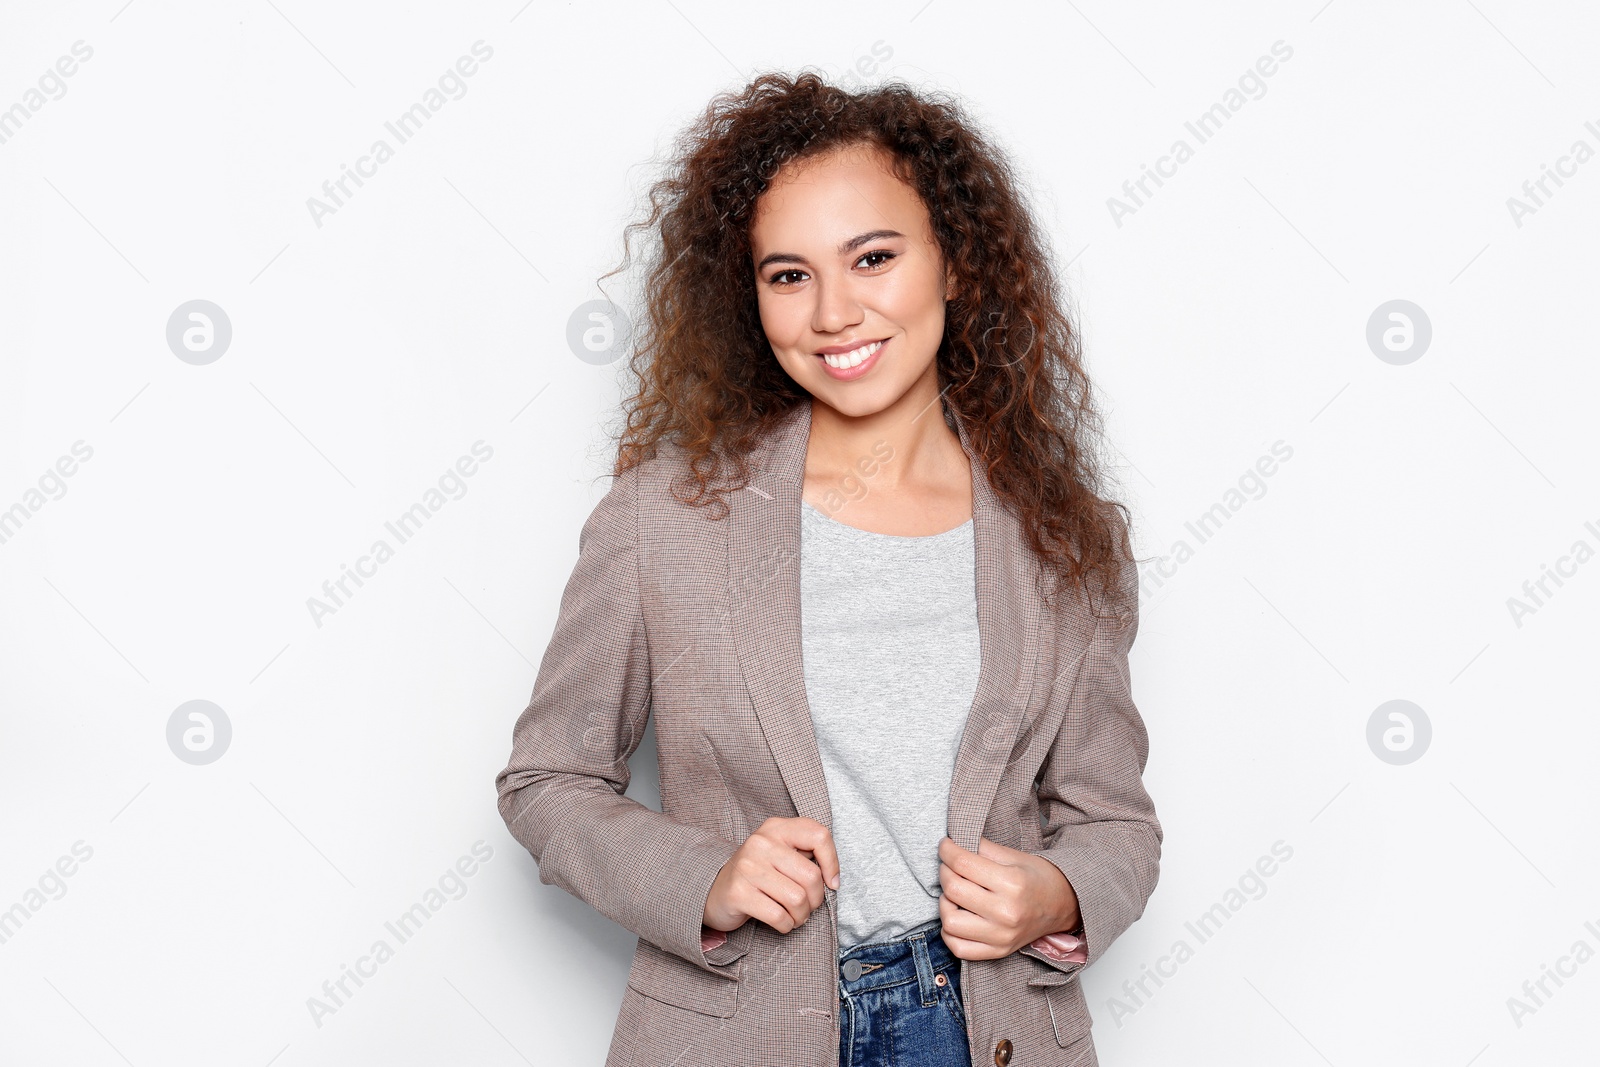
(853, 358)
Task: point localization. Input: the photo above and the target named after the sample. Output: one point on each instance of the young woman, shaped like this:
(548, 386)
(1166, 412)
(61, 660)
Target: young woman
(856, 560)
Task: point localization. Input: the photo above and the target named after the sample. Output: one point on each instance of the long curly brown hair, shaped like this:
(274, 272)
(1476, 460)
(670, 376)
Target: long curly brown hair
(1009, 364)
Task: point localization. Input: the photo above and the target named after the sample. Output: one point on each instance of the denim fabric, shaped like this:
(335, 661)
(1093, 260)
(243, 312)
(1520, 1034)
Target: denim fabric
(896, 1013)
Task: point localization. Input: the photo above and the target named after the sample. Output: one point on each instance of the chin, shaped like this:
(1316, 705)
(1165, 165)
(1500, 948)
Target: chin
(855, 402)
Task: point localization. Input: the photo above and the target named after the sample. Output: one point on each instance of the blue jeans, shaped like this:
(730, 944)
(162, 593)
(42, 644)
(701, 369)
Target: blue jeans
(903, 1007)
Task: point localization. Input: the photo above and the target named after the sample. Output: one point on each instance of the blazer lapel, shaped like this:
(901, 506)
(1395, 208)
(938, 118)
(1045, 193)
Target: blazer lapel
(763, 591)
(1009, 617)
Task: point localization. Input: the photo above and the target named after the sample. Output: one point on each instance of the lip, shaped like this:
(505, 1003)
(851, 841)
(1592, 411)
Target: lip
(850, 373)
(851, 346)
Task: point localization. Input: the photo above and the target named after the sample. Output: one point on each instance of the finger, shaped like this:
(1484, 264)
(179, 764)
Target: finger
(970, 950)
(794, 882)
(773, 882)
(800, 868)
(965, 893)
(994, 850)
(959, 931)
(777, 900)
(808, 835)
(955, 855)
(953, 918)
(984, 870)
(827, 857)
(800, 832)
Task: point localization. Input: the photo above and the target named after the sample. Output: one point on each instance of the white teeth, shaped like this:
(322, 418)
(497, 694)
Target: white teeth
(854, 357)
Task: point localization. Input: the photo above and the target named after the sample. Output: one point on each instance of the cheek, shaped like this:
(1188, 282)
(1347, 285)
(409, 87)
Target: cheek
(781, 320)
(916, 300)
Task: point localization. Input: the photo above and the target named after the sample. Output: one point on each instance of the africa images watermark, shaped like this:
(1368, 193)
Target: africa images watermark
(1537, 591)
(853, 486)
(1154, 575)
(452, 885)
(1204, 127)
(52, 486)
(51, 885)
(53, 82)
(1251, 885)
(1536, 992)
(858, 75)
(402, 528)
(1566, 167)
(402, 129)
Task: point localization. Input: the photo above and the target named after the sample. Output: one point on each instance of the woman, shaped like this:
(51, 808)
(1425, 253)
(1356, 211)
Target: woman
(855, 560)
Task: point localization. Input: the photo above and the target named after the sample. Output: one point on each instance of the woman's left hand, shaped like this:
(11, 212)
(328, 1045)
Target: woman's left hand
(998, 899)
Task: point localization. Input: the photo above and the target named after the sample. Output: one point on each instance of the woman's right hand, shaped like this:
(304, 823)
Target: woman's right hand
(772, 878)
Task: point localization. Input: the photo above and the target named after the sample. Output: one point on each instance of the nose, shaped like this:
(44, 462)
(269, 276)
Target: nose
(837, 308)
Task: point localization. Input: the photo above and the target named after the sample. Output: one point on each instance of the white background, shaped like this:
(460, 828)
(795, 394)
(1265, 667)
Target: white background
(1226, 313)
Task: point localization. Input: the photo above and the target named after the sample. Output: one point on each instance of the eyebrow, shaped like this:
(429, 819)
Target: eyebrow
(847, 247)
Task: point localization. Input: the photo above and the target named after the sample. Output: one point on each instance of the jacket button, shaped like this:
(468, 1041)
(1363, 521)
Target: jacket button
(1002, 1052)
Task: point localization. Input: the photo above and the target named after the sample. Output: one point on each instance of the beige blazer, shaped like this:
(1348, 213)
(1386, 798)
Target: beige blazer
(698, 621)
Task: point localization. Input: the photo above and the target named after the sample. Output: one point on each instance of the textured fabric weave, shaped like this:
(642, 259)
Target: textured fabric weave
(692, 618)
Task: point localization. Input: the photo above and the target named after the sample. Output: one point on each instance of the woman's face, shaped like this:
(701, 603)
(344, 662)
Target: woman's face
(845, 260)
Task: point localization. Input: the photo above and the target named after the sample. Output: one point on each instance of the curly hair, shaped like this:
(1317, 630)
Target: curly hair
(1008, 365)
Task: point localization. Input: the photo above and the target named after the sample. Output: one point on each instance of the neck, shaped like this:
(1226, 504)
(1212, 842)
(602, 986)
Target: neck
(908, 442)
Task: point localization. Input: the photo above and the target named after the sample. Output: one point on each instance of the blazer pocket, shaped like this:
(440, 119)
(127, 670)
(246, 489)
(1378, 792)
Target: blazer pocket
(660, 975)
(1046, 975)
(1069, 1012)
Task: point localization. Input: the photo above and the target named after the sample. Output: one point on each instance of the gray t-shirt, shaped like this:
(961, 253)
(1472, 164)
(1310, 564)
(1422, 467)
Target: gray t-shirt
(891, 656)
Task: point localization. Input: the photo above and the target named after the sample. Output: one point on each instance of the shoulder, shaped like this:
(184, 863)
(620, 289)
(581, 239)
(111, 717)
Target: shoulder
(670, 504)
(652, 477)
(1105, 613)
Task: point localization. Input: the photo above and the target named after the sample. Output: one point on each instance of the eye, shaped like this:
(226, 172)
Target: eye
(877, 257)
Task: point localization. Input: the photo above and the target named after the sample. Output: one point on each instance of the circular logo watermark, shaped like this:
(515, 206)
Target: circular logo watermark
(198, 332)
(597, 332)
(1399, 732)
(199, 732)
(1399, 332)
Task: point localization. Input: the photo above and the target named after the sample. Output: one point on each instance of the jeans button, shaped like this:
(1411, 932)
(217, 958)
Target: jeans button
(852, 970)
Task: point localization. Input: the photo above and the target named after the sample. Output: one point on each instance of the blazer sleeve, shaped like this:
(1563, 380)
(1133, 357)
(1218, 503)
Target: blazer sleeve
(562, 793)
(1101, 829)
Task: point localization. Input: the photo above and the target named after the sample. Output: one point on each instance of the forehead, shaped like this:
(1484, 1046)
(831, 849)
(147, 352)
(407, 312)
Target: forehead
(837, 194)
